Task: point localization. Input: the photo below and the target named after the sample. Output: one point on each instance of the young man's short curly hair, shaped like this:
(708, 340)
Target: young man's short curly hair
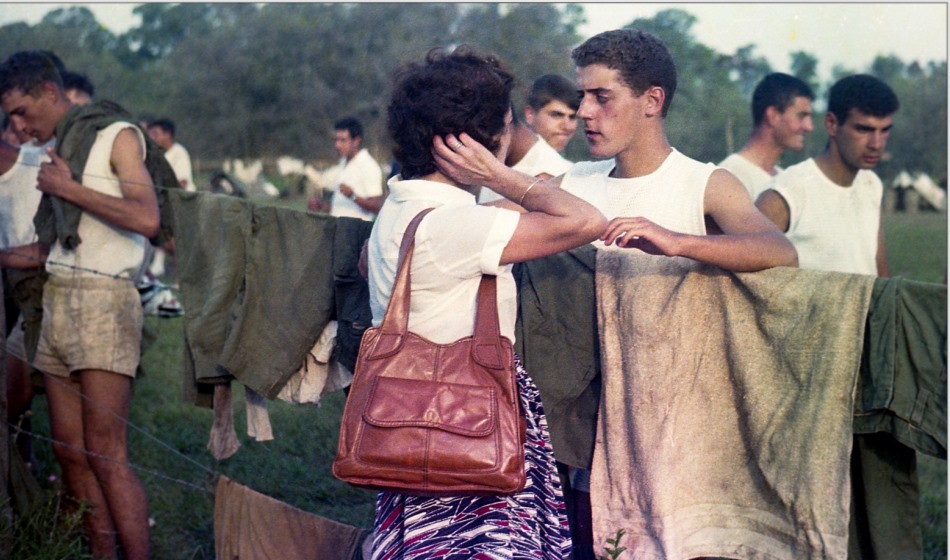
(448, 93)
(642, 60)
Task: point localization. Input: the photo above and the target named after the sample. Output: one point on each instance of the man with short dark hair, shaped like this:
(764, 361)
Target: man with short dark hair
(162, 131)
(829, 206)
(551, 110)
(358, 182)
(781, 117)
(90, 337)
(79, 90)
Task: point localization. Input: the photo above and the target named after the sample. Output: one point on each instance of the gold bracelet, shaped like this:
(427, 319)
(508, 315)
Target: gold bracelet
(525, 193)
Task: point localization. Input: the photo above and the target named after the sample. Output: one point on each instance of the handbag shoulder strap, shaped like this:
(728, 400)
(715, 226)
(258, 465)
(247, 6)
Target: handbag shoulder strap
(396, 319)
(486, 350)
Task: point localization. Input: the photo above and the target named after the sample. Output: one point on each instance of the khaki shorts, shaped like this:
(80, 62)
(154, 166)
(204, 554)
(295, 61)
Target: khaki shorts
(89, 323)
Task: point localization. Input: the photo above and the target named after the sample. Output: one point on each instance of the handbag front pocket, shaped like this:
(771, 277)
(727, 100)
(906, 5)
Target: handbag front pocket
(430, 422)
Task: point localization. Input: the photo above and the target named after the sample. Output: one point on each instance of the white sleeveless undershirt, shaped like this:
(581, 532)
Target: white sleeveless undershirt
(672, 196)
(105, 249)
(834, 228)
(19, 198)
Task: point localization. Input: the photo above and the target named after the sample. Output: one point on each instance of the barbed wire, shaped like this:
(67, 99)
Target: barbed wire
(127, 422)
(13, 252)
(89, 175)
(20, 430)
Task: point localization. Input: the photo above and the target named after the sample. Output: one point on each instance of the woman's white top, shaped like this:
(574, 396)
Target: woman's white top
(455, 244)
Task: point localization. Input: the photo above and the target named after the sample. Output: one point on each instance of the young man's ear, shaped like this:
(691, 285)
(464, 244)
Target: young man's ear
(529, 115)
(655, 97)
(50, 89)
(831, 124)
(772, 115)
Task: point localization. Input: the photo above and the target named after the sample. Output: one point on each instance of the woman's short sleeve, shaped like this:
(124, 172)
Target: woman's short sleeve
(466, 241)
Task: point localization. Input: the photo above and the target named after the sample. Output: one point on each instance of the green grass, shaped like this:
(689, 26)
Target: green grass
(295, 467)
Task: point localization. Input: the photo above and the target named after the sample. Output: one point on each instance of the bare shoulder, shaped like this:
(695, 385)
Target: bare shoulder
(128, 143)
(128, 158)
(725, 192)
(729, 204)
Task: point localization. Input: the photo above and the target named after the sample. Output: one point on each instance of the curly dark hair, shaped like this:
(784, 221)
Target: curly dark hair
(642, 60)
(448, 93)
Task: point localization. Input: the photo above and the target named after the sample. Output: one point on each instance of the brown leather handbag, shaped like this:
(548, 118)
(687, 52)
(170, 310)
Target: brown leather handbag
(433, 419)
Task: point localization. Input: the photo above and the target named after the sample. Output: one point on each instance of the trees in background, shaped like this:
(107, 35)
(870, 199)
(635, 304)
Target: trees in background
(263, 80)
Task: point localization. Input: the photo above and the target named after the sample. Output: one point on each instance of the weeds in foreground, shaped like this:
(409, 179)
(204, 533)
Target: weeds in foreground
(613, 548)
(49, 531)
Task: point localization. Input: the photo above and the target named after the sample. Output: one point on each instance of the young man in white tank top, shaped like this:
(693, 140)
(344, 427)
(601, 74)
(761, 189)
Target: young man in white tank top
(830, 205)
(781, 117)
(657, 199)
(90, 356)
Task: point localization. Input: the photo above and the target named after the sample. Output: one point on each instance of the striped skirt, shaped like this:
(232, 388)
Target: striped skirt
(529, 524)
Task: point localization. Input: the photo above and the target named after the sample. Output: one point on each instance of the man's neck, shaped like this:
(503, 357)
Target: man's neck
(642, 159)
(836, 170)
(763, 152)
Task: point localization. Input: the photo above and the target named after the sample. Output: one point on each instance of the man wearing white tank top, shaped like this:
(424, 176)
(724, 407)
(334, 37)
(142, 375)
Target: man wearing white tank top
(830, 208)
(781, 117)
(657, 199)
(830, 205)
(91, 330)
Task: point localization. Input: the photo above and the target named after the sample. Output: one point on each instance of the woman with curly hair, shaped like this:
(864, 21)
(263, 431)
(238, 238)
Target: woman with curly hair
(463, 99)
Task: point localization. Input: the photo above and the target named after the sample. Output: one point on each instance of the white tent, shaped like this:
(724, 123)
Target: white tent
(924, 186)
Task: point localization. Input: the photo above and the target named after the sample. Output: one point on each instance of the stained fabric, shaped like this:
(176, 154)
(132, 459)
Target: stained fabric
(251, 526)
(726, 419)
(260, 284)
(287, 297)
(210, 255)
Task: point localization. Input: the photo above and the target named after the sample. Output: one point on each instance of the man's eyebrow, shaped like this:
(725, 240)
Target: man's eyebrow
(595, 91)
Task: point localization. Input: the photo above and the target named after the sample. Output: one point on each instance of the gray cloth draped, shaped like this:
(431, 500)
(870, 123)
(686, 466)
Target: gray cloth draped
(726, 417)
